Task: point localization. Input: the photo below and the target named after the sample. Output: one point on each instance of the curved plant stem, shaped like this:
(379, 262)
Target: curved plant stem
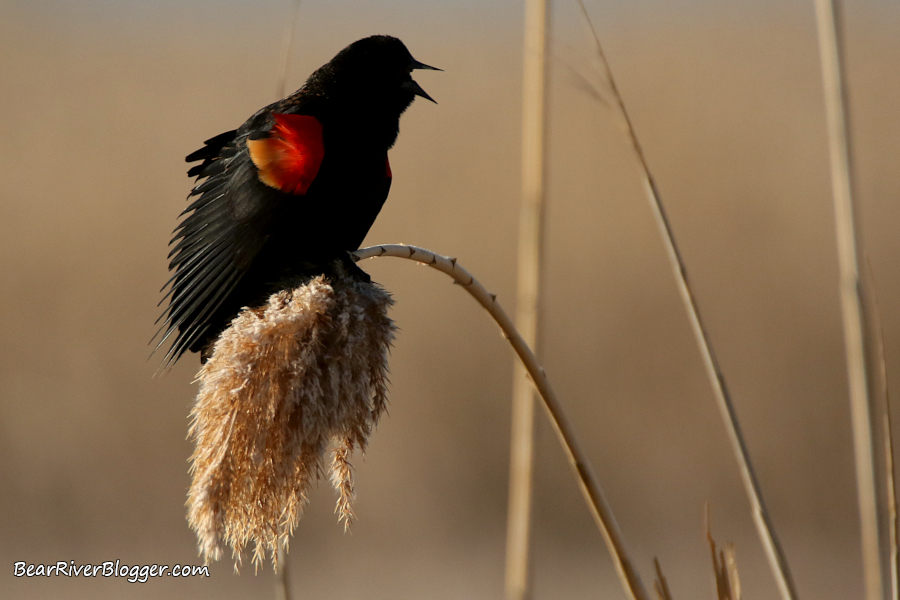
(590, 489)
(774, 552)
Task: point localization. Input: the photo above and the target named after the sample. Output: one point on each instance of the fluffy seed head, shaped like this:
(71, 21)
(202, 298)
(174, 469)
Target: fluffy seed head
(284, 381)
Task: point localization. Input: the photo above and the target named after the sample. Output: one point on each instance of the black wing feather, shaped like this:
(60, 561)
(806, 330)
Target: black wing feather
(210, 152)
(223, 229)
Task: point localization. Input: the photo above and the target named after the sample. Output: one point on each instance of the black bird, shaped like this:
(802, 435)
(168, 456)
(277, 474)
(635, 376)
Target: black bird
(295, 187)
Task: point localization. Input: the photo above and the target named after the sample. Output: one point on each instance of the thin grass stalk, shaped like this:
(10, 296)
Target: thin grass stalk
(282, 584)
(287, 46)
(590, 488)
(860, 369)
(282, 581)
(531, 235)
(771, 545)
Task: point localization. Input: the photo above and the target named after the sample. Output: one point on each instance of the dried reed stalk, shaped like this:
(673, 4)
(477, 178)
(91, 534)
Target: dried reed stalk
(893, 523)
(728, 585)
(882, 395)
(661, 585)
(287, 45)
(590, 488)
(888, 449)
(771, 545)
(282, 576)
(531, 234)
(857, 328)
(284, 381)
(282, 584)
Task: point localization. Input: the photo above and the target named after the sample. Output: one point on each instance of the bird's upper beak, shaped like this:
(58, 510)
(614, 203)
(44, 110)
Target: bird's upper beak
(414, 87)
(418, 65)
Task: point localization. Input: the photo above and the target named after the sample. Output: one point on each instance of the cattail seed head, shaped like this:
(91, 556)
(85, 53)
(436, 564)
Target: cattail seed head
(284, 381)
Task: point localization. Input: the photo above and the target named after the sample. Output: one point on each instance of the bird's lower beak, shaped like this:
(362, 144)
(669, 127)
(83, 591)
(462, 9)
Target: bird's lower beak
(416, 89)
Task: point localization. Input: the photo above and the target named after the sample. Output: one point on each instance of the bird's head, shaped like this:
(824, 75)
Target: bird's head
(377, 71)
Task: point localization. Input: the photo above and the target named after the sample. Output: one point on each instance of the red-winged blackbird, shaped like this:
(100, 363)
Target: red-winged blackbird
(294, 188)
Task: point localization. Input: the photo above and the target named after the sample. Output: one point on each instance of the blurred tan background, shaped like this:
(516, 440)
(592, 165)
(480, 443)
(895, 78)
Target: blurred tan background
(101, 100)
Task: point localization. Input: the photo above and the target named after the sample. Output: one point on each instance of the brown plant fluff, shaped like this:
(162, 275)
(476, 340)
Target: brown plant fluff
(283, 381)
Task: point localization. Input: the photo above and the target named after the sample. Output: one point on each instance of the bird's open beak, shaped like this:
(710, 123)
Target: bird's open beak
(414, 87)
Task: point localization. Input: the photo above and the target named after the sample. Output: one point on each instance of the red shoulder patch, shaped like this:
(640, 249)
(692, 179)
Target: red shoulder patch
(387, 168)
(289, 159)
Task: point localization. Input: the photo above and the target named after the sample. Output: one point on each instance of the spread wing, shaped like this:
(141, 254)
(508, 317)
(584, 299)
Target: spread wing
(229, 219)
